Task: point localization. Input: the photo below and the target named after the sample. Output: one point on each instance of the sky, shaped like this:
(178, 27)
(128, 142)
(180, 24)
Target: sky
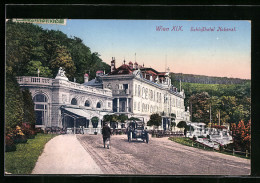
(211, 53)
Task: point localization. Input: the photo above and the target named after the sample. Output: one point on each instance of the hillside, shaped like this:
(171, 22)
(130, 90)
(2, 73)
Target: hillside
(29, 48)
(191, 78)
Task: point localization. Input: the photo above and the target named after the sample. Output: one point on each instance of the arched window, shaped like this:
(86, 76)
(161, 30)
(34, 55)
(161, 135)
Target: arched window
(39, 98)
(87, 103)
(98, 105)
(41, 109)
(74, 101)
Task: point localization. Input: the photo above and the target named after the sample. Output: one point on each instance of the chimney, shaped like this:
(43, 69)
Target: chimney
(135, 65)
(131, 64)
(113, 64)
(99, 73)
(86, 77)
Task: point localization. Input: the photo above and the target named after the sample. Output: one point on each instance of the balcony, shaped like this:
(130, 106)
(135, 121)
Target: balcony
(34, 80)
(121, 92)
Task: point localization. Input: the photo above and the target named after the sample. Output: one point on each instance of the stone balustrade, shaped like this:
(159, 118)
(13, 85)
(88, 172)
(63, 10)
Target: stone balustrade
(29, 80)
(34, 80)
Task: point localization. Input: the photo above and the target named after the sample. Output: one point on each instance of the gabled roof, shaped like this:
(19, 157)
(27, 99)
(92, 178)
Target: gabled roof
(123, 69)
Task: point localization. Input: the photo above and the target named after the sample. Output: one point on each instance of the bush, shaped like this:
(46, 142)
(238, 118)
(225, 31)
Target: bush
(9, 144)
(28, 131)
(39, 130)
(20, 139)
(194, 138)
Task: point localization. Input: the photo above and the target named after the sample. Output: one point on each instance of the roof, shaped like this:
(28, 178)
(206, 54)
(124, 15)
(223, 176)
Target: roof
(85, 74)
(94, 82)
(123, 69)
(99, 72)
(149, 69)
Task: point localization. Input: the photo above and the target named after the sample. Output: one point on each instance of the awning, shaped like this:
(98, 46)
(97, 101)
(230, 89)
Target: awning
(88, 114)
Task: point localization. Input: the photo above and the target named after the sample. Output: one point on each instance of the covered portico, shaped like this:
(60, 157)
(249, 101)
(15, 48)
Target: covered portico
(78, 120)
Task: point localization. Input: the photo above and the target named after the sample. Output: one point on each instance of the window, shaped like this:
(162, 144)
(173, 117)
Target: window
(87, 103)
(98, 105)
(136, 89)
(138, 106)
(125, 86)
(139, 91)
(143, 92)
(39, 98)
(74, 101)
(134, 105)
(41, 109)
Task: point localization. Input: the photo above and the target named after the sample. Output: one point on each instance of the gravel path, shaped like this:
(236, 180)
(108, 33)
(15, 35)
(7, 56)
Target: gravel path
(160, 157)
(65, 155)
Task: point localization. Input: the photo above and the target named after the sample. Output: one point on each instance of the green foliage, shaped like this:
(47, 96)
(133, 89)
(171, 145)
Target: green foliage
(200, 106)
(107, 118)
(94, 121)
(134, 119)
(62, 58)
(19, 44)
(28, 113)
(232, 101)
(155, 120)
(28, 44)
(23, 160)
(191, 78)
(32, 69)
(182, 124)
(14, 104)
(122, 118)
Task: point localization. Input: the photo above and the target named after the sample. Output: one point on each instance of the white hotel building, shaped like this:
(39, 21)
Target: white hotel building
(130, 89)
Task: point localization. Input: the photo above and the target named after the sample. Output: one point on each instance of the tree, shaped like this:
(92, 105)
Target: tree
(34, 66)
(173, 117)
(107, 118)
(94, 121)
(241, 135)
(122, 118)
(18, 47)
(134, 119)
(62, 58)
(28, 108)
(155, 120)
(182, 124)
(173, 124)
(200, 107)
(14, 104)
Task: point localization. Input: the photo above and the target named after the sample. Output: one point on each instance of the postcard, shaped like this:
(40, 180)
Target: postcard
(128, 97)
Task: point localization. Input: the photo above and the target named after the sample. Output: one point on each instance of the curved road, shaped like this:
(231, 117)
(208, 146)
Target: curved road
(160, 157)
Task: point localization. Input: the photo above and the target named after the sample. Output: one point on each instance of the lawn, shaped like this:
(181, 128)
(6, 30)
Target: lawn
(23, 160)
(188, 142)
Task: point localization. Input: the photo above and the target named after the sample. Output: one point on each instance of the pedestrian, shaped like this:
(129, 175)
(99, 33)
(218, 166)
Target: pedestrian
(106, 132)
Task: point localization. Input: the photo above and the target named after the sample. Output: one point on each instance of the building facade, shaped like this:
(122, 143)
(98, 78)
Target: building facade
(65, 104)
(133, 90)
(139, 92)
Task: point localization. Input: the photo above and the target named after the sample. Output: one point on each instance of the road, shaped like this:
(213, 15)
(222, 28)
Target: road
(159, 157)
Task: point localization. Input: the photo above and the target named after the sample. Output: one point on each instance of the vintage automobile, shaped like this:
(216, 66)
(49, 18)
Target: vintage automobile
(136, 131)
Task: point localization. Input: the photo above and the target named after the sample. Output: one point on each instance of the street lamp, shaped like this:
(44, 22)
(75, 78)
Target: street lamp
(209, 114)
(38, 72)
